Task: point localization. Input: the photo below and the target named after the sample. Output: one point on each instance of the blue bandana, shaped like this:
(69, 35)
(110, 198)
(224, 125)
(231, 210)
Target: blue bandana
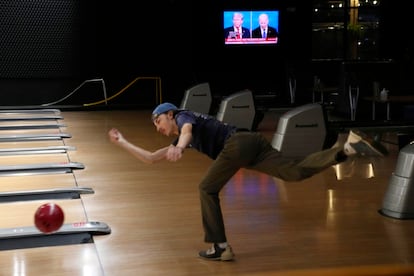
(162, 108)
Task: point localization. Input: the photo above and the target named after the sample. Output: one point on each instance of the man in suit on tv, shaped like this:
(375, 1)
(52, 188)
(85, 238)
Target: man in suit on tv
(237, 31)
(264, 30)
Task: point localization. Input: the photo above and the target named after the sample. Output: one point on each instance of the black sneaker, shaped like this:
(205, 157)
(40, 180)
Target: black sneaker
(216, 253)
(360, 143)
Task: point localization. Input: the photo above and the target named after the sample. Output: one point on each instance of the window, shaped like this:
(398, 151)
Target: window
(345, 29)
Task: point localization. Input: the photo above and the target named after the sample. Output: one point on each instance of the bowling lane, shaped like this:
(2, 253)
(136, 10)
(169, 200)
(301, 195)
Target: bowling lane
(76, 259)
(45, 135)
(36, 182)
(14, 119)
(21, 214)
(31, 124)
(32, 112)
(21, 118)
(24, 127)
(57, 163)
(33, 159)
(67, 260)
(31, 144)
(45, 149)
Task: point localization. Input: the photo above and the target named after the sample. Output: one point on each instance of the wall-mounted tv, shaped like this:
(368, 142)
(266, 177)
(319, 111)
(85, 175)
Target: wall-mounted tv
(254, 27)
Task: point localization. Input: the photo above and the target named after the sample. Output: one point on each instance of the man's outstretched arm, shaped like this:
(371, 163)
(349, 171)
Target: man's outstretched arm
(116, 137)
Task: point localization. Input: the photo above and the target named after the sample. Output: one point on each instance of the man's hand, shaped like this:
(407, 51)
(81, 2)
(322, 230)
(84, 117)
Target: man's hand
(174, 153)
(115, 136)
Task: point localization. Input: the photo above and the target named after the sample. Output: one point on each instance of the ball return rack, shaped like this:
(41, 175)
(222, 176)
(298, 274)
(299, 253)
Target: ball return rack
(70, 233)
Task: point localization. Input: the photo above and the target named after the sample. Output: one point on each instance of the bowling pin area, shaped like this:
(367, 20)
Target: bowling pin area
(124, 217)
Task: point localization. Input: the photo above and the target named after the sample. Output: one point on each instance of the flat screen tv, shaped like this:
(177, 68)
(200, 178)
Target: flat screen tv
(252, 27)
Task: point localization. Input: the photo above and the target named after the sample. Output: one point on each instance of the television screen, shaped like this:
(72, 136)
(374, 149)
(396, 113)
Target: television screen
(251, 27)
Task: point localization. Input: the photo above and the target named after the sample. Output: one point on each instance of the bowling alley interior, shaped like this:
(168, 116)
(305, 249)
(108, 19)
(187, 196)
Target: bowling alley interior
(74, 203)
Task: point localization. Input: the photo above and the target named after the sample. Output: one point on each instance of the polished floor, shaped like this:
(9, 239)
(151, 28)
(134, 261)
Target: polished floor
(326, 225)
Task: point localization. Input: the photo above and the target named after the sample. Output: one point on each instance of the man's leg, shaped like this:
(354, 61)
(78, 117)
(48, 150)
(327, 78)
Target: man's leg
(229, 161)
(273, 163)
(217, 176)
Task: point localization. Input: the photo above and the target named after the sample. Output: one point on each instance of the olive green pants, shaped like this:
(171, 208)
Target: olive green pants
(251, 151)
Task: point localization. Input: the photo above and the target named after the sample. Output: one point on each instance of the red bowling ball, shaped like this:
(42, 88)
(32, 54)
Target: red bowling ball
(49, 218)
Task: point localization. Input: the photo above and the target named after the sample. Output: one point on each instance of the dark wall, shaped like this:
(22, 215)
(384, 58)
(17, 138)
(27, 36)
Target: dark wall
(397, 45)
(44, 50)
(71, 41)
(183, 43)
(50, 47)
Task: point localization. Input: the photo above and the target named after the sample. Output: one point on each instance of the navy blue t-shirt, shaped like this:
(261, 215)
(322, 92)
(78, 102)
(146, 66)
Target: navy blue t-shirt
(209, 134)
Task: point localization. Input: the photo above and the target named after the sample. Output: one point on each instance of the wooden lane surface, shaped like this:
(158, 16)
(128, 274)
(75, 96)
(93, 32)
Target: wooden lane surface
(20, 117)
(77, 259)
(49, 127)
(36, 182)
(30, 125)
(367, 270)
(20, 214)
(275, 228)
(33, 112)
(33, 159)
(56, 260)
(27, 122)
(33, 131)
(32, 144)
(66, 260)
(26, 149)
